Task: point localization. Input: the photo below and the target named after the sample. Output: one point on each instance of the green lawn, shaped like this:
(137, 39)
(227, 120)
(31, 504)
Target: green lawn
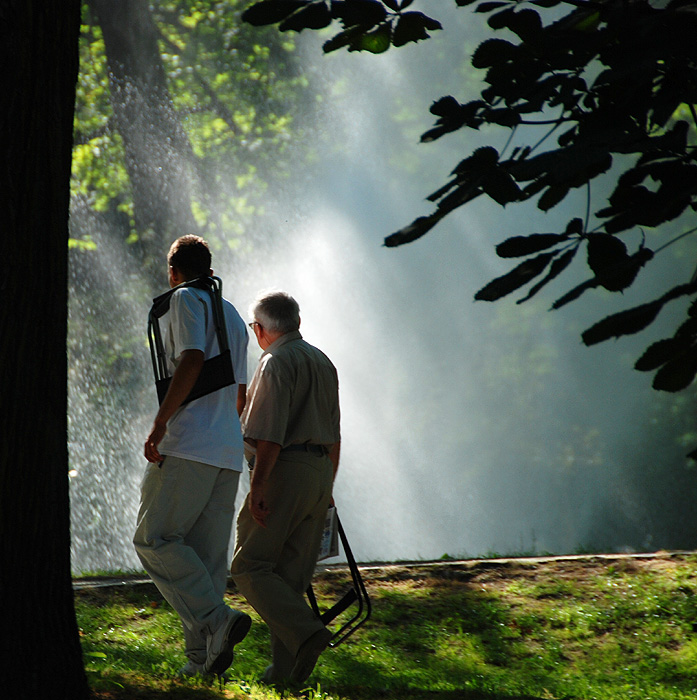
(591, 628)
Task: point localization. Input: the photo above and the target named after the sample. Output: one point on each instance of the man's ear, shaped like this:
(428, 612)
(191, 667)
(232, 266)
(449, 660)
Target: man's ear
(175, 277)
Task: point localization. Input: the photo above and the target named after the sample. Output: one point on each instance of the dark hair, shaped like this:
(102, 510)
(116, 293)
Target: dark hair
(191, 256)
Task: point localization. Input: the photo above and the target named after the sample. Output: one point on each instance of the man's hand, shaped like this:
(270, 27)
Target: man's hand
(156, 434)
(266, 456)
(183, 380)
(257, 505)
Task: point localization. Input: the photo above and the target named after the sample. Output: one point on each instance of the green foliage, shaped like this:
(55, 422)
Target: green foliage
(616, 83)
(368, 25)
(586, 627)
(237, 93)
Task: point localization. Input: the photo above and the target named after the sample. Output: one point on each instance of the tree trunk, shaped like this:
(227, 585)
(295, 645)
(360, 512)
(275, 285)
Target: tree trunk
(159, 158)
(40, 655)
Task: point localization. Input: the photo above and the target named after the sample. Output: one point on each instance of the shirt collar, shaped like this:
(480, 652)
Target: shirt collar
(285, 338)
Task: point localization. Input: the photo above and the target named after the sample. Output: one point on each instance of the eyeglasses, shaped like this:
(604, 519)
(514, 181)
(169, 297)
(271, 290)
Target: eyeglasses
(254, 323)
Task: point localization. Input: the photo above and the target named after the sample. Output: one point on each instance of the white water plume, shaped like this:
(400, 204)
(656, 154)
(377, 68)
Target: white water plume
(467, 428)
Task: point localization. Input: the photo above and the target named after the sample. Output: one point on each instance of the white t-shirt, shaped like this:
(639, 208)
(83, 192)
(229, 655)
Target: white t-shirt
(207, 429)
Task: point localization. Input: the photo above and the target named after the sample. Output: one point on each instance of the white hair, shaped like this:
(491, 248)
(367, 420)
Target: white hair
(276, 311)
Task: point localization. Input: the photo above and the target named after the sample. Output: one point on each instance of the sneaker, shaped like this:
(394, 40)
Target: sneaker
(222, 642)
(308, 655)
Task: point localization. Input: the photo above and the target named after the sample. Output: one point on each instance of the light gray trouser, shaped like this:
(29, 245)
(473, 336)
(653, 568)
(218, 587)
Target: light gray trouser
(273, 565)
(182, 537)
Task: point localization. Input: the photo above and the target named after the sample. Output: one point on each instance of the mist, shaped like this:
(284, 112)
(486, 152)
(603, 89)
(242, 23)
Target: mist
(467, 428)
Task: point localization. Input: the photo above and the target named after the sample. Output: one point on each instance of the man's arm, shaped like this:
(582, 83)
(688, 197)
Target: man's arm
(264, 462)
(241, 398)
(334, 451)
(183, 380)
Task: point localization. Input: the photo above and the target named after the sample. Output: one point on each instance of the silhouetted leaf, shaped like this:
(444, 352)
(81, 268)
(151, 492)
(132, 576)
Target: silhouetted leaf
(623, 323)
(413, 26)
(555, 269)
(605, 251)
(659, 353)
(414, 230)
(503, 117)
(447, 107)
(623, 274)
(516, 278)
(481, 159)
(517, 246)
(525, 23)
(366, 13)
(676, 374)
(349, 37)
(452, 116)
(575, 226)
(552, 196)
(314, 16)
(501, 187)
(575, 293)
(493, 52)
(271, 11)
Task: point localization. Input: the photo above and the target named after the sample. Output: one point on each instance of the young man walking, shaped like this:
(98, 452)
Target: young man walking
(195, 457)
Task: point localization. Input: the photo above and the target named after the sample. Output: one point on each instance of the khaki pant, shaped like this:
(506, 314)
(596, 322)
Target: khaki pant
(182, 537)
(273, 565)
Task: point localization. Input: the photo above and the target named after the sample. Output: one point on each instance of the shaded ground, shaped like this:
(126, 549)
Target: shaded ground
(513, 629)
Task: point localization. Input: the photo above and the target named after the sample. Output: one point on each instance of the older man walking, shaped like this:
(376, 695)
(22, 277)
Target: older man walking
(291, 432)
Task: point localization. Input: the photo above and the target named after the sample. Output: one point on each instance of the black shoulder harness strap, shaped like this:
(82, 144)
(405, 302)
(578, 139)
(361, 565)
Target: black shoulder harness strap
(217, 372)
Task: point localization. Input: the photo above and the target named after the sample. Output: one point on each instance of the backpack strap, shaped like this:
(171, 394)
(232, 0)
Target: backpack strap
(217, 372)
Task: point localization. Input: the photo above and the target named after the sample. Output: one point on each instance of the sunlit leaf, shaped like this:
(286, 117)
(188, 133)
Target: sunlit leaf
(376, 41)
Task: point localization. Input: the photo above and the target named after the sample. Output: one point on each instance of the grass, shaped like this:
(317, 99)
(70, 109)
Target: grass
(586, 628)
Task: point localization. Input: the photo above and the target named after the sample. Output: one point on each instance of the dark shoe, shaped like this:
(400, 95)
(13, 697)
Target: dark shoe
(274, 679)
(222, 642)
(308, 654)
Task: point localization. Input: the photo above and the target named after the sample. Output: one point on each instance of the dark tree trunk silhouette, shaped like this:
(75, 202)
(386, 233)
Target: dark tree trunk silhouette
(159, 157)
(40, 648)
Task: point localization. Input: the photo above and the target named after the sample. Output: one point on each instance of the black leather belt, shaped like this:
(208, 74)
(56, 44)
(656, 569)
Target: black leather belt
(319, 450)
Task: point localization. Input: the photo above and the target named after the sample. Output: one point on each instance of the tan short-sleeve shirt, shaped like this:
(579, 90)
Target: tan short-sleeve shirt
(293, 397)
